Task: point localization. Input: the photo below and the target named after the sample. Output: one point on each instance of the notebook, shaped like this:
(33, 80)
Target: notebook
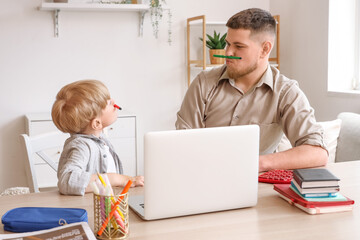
(315, 177)
(198, 171)
(313, 207)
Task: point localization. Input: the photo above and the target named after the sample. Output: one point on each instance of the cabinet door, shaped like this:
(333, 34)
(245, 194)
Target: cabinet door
(125, 148)
(124, 127)
(122, 135)
(40, 127)
(45, 175)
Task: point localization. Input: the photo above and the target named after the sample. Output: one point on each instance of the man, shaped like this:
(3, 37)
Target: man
(250, 91)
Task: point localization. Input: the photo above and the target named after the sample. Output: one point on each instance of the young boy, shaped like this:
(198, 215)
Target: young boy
(83, 109)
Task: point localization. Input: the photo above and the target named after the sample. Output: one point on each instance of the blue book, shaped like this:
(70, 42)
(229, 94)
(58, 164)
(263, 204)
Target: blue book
(335, 197)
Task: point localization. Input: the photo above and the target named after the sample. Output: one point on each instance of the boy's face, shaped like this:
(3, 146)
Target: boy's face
(109, 114)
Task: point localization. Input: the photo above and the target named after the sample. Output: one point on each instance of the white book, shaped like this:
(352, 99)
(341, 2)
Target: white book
(80, 230)
(315, 190)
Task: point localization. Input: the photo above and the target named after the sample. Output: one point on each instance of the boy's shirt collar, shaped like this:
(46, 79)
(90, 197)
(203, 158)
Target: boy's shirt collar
(93, 137)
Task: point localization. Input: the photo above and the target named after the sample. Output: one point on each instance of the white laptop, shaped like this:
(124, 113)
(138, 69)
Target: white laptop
(198, 171)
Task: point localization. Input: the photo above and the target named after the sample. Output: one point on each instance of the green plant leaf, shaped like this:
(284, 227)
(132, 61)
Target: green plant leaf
(218, 45)
(211, 45)
(216, 36)
(210, 38)
(215, 42)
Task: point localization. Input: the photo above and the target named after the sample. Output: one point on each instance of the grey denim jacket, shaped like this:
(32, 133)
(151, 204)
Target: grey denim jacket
(82, 156)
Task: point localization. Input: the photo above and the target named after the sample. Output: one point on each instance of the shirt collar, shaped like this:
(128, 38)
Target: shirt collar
(93, 137)
(267, 78)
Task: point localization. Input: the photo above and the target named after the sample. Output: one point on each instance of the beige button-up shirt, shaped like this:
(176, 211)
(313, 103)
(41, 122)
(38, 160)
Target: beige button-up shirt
(275, 103)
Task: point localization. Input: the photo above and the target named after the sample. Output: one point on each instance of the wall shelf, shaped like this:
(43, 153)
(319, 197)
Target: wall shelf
(200, 62)
(48, 6)
(142, 9)
(208, 23)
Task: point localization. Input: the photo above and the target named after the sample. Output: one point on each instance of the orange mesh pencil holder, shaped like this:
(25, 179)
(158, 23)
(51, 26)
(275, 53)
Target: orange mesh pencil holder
(118, 226)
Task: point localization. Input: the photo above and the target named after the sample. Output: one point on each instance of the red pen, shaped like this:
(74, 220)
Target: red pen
(117, 106)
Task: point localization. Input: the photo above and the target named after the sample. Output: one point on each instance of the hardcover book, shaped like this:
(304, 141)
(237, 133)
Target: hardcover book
(334, 189)
(319, 210)
(285, 191)
(312, 207)
(336, 197)
(315, 177)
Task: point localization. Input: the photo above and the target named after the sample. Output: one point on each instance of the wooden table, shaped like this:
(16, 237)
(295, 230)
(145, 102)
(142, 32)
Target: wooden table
(272, 218)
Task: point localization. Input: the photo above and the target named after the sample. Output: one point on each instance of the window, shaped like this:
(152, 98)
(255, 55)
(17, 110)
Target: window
(344, 50)
(356, 83)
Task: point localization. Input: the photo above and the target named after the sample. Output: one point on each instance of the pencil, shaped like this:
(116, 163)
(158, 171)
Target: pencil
(125, 190)
(223, 56)
(112, 199)
(101, 179)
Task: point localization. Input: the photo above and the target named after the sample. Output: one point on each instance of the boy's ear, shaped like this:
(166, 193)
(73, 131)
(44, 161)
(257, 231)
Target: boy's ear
(96, 124)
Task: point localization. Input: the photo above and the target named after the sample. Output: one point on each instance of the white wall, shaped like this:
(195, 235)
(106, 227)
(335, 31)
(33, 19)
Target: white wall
(304, 54)
(145, 76)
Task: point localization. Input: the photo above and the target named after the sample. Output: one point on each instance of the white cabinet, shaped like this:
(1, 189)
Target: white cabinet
(122, 134)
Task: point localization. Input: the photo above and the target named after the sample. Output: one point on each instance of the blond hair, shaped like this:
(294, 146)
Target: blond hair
(77, 104)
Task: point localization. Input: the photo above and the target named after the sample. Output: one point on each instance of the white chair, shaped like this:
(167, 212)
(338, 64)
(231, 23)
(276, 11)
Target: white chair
(42, 152)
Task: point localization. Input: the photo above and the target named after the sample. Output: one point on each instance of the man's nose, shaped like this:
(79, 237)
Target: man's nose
(229, 51)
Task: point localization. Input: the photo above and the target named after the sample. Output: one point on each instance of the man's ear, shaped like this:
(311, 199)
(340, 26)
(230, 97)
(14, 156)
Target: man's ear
(96, 124)
(266, 49)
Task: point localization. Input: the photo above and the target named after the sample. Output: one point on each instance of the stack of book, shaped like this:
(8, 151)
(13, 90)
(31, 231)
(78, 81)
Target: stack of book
(315, 191)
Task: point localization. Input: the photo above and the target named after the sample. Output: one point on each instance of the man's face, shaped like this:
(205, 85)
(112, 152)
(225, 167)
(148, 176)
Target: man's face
(240, 44)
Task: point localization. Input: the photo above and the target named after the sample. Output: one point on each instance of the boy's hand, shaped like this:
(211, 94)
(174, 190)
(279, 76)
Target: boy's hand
(118, 180)
(138, 181)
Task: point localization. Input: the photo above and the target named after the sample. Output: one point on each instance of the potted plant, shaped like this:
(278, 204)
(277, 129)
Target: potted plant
(216, 45)
(156, 14)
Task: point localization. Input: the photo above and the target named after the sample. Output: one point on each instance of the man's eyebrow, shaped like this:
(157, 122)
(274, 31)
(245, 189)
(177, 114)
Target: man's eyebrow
(236, 43)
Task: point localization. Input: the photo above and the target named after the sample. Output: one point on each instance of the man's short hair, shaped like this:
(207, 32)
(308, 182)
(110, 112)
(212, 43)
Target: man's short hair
(254, 19)
(77, 104)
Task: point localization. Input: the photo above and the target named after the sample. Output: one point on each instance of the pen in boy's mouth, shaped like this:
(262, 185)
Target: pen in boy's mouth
(116, 106)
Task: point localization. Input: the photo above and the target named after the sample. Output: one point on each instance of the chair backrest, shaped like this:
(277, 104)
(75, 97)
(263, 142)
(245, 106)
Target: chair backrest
(348, 146)
(42, 155)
